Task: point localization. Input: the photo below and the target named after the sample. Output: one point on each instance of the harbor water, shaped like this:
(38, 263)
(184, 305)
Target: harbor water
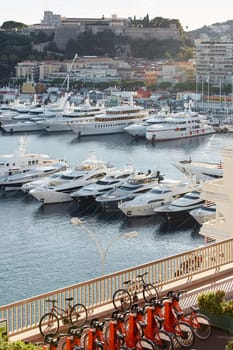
(41, 250)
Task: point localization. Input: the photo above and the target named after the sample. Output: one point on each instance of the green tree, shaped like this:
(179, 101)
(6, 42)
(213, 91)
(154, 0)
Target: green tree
(13, 25)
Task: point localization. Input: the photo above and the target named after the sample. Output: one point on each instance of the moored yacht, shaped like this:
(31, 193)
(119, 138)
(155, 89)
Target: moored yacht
(180, 125)
(114, 120)
(59, 190)
(16, 181)
(178, 210)
(138, 129)
(20, 161)
(136, 184)
(109, 182)
(68, 119)
(160, 195)
(205, 213)
(202, 171)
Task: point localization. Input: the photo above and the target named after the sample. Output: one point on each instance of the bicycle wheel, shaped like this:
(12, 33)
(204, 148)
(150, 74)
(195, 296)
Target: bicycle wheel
(184, 334)
(49, 324)
(145, 344)
(150, 292)
(201, 326)
(163, 340)
(121, 300)
(78, 315)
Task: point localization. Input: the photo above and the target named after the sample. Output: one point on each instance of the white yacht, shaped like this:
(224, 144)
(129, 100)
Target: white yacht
(202, 171)
(160, 195)
(135, 185)
(180, 125)
(178, 210)
(114, 120)
(205, 213)
(59, 191)
(20, 161)
(28, 186)
(28, 123)
(68, 119)
(138, 129)
(109, 182)
(15, 182)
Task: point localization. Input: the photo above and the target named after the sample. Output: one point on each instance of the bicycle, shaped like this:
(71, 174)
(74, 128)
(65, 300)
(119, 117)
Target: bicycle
(94, 339)
(73, 340)
(74, 314)
(200, 323)
(181, 332)
(123, 299)
(153, 328)
(114, 334)
(135, 339)
(53, 342)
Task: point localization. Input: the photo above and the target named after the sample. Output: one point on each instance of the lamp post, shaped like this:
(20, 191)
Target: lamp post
(102, 252)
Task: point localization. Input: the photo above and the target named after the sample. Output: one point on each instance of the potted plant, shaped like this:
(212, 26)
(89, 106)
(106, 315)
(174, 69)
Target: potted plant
(219, 310)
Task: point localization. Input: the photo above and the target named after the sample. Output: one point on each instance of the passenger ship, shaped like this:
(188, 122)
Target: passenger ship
(180, 125)
(113, 121)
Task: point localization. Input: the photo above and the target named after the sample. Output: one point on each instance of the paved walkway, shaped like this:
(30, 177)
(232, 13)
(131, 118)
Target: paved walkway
(217, 341)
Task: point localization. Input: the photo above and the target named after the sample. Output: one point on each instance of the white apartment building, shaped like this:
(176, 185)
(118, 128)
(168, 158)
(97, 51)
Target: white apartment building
(214, 62)
(27, 70)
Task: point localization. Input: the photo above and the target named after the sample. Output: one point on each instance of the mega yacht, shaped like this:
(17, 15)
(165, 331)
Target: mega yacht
(160, 195)
(138, 129)
(178, 210)
(59, 190)
(20, 161)
(180, 125)
(114, 120)
(136, 184)
(202, 171)
(68, 119)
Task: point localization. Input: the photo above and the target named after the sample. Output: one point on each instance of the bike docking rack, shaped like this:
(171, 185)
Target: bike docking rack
(213, 271)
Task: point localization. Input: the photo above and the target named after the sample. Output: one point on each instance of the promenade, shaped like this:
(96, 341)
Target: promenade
(217, 341)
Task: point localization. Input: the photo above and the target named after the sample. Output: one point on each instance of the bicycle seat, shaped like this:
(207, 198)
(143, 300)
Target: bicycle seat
(69, 299)
(195, 309)
(127, 282)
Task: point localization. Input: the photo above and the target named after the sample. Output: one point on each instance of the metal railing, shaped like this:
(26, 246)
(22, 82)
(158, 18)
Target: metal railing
(200, 264)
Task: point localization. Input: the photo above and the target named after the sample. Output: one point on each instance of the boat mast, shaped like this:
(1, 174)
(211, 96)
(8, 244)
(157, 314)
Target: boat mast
(67, 78)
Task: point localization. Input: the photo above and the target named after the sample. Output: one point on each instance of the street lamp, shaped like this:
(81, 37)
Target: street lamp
(102, 252)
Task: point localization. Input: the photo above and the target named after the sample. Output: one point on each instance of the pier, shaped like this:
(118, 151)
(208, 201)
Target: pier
(208, 267)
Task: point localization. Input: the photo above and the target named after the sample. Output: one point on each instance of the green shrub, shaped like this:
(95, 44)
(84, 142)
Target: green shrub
(15, 345)
(229, 345)
(211, 301)
(214, 303)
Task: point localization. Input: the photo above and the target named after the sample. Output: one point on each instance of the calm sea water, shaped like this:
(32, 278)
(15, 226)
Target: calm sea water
(40, 250)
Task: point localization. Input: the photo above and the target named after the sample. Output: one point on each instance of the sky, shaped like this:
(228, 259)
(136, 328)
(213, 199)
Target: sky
(192, 14)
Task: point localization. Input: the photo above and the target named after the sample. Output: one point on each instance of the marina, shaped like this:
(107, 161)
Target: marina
(30, 231)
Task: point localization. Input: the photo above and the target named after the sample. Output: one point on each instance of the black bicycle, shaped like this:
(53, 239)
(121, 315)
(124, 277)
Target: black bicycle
(124, 298)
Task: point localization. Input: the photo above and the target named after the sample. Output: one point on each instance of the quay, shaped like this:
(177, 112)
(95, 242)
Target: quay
(208, 267)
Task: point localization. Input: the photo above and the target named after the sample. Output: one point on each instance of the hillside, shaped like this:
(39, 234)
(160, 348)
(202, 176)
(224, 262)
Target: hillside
(216, 31)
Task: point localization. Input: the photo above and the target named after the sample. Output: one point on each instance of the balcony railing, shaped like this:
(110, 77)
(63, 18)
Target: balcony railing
(202, 264)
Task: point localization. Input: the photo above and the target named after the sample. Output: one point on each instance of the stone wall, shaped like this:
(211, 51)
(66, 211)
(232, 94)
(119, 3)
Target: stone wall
(66, 32)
